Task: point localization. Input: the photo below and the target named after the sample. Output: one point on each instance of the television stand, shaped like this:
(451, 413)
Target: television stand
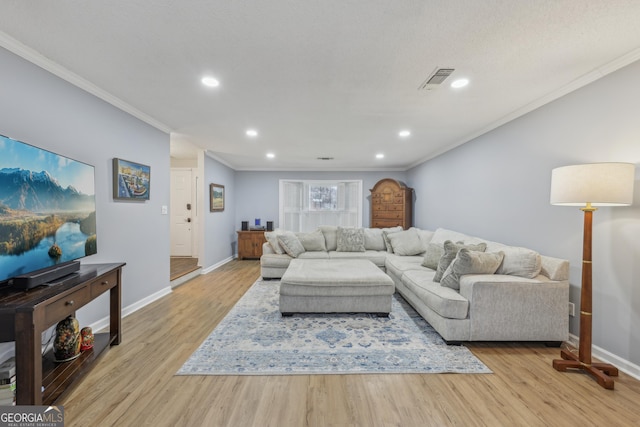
(74, 278)
(24, 315)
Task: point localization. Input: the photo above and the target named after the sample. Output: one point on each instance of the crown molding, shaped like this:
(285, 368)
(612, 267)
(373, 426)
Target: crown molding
(45, 63)
(305, 169)
(586, 79)
(213, 156)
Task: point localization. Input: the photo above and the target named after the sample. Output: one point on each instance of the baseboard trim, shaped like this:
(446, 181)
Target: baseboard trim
(217, 265)
(9, 350)
(624, 365)
(104, 322)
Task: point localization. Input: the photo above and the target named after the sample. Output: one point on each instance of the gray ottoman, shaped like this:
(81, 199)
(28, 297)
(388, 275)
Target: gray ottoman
(335, 286)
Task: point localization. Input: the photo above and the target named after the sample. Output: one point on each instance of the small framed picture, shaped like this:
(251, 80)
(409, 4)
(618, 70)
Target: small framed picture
(131, 181)
(216, 196)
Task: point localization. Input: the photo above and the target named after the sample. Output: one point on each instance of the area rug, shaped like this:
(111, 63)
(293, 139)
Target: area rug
(254, 339)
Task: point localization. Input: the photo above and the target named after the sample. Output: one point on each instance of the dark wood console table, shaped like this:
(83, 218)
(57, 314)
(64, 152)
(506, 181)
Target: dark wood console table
(24, 315)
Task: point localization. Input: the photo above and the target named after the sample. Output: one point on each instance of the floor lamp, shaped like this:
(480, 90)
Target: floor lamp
(589, 186)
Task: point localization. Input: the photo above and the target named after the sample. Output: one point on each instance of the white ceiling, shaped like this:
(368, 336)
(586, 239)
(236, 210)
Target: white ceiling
(324, 78)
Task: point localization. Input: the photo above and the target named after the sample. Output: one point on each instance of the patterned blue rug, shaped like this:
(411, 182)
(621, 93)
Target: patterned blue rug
(254, 339)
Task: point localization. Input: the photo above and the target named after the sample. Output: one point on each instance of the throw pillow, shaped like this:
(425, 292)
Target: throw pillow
(313, 241)
(330, 233)
(386, 232)
(450, 251)
(520, 262)
(406, 243)
(350, 240)
(432, 255)
(441, 235)
(272, 239)
(425, 237)
(374, 240)
(291, 244)
(470, 262)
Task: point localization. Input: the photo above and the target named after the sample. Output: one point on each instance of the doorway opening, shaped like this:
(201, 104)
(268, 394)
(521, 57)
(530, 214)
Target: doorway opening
(184, 223)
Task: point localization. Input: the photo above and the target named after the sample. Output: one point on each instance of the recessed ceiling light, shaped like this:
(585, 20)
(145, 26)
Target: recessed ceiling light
(271, 155)
(404, 133)
(379, 156)
(459, 83)
(210, 82)
(252, 133)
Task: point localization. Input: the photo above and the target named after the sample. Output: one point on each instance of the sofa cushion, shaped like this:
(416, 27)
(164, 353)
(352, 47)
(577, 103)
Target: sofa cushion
(450, 251)
(385, 235)
(406, 243)
(314, 255)
(396, 265)
(313, 241)
(441, 235)
(432, 255)
(555, 268)
(376, 257)
(350, 240)
(521, 262)
(330, 233)
(517, 261)
(276, 260)
(290, 243)
(374, 240)
(272, 239)
(445, 301)
(425, 237)
(470, 262)
(267, 249)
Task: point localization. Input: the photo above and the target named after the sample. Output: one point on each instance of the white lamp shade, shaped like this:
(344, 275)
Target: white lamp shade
(601, 184)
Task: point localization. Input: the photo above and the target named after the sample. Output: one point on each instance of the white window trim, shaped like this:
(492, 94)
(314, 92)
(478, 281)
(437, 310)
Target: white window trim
(306, 183)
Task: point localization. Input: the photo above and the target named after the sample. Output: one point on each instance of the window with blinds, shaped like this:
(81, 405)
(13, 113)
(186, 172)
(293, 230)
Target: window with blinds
(307, 204)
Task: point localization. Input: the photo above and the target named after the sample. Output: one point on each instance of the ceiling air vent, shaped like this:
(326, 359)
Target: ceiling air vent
(436, 78)
(324, 158)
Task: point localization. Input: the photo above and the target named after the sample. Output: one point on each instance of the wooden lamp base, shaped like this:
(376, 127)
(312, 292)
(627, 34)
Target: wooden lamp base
(602, 372)
(590, 185)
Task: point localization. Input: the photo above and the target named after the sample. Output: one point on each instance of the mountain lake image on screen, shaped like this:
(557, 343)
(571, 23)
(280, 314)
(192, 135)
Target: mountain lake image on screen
(47, 209)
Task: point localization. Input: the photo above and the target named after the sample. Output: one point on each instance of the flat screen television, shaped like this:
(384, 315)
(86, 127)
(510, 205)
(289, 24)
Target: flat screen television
(47, 214)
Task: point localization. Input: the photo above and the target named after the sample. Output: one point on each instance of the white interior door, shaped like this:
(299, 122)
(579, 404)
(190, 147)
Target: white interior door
(182, 212)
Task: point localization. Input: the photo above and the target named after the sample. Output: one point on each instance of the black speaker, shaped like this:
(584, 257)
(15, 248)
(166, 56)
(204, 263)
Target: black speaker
(245, 225)
(269, 225)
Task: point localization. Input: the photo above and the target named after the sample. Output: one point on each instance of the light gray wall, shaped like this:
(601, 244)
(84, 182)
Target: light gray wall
(259, 191)
(497, 187)
(219, 227)
(43, 110)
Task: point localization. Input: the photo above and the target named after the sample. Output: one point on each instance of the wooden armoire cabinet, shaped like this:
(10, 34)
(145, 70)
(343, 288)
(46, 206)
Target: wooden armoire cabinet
(391, 204)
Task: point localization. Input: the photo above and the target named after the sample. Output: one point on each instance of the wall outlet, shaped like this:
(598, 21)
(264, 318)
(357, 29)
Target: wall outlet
(572, 309)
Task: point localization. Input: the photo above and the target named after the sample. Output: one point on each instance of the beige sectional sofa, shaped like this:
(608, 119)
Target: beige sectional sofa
(479, 291)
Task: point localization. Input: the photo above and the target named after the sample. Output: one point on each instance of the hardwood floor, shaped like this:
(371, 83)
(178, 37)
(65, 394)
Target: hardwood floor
(134, 383)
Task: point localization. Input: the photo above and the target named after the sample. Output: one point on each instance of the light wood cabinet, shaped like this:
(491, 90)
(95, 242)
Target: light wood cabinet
(250, 244)
(391, 204)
